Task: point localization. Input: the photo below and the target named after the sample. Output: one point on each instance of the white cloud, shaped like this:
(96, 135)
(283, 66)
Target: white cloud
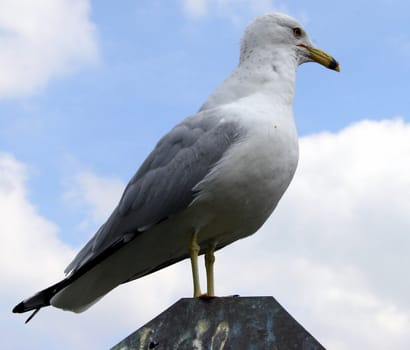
(237, 12)
(195, 8)
(31, 255)
(23, 232)
(41, 40)
(98, 195)
(233, 10)
(335, 253)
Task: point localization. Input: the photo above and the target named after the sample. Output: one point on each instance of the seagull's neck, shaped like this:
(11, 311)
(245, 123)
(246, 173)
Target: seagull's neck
(268, 72)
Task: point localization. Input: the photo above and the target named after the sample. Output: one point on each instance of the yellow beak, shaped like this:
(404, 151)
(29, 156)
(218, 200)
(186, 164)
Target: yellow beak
(322, 57)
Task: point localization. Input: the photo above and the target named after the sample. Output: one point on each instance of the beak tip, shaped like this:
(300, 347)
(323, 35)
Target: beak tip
(334, 65)
(321, 57)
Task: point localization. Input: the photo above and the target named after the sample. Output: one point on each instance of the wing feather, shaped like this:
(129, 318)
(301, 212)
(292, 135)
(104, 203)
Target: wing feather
(164, 183)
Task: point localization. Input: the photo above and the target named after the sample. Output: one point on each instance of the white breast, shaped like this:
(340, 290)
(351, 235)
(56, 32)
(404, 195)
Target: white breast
(247, 184)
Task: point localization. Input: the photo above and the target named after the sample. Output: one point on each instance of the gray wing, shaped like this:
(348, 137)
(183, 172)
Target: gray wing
(164, 184)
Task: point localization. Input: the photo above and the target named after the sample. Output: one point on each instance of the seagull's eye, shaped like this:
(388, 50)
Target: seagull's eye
(297, 32)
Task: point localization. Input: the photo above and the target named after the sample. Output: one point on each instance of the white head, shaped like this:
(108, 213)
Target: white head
(278, 31)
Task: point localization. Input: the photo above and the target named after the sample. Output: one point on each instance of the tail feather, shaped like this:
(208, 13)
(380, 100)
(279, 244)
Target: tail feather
(43, 298)
(40, 299)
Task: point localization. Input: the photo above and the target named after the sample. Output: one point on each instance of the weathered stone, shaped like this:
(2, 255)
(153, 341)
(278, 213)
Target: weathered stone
(234, 323)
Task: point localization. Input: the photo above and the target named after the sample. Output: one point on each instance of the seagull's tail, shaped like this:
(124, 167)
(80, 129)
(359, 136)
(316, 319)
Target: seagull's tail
(39, 300)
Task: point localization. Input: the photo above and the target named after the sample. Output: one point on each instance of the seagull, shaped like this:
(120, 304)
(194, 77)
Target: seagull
(215, 178)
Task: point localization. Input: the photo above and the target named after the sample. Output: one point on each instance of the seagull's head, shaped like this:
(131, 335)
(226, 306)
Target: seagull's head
(277, 30)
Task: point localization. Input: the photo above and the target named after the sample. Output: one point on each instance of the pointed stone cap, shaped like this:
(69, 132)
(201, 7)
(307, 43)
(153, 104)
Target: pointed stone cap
(220, 324)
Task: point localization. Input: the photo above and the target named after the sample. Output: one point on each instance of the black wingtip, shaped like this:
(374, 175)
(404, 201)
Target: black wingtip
(19, 308)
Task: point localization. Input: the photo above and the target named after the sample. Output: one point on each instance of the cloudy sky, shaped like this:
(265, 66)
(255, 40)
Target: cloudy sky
(88, 87)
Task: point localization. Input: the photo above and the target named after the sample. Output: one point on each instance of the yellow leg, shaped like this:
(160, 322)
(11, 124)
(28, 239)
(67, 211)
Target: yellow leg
(194, 251)
(209, 265)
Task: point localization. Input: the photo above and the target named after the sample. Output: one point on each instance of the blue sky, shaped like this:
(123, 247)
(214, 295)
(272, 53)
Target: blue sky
(88, 87)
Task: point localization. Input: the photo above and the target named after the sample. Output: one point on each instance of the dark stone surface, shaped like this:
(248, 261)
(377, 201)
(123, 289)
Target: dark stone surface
(233, 323)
